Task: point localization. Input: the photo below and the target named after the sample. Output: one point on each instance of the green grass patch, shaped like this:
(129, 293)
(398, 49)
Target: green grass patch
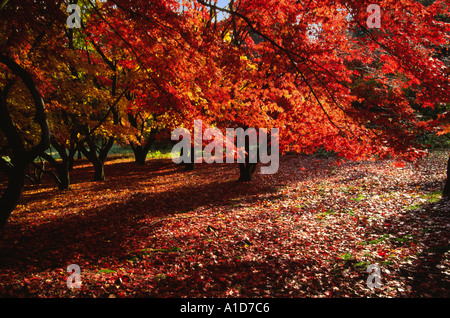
(347, 257)
(359, 198)
(403, 239)
(173, 249)
(380, 239)
(106, 271)
(158, 154)
(349, 211)
(433, 197)
(326, 214)
(414, 206)
(348, 190)
(388, 237)
(362, 264)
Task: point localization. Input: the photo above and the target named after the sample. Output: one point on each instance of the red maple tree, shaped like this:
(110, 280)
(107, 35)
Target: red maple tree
(314, 70)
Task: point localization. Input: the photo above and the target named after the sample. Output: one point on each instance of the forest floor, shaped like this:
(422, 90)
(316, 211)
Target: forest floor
(310, 230)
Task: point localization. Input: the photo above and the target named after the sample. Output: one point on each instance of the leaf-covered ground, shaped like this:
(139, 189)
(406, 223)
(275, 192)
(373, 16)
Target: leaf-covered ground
(311, 230)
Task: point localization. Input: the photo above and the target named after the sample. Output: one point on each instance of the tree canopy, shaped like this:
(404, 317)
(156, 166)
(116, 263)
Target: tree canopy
(139, 69)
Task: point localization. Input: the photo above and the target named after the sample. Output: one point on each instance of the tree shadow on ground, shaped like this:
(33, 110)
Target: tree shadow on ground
(107, 230)
(431, 276)
(257, 278)
(118, 176)
(425, 226)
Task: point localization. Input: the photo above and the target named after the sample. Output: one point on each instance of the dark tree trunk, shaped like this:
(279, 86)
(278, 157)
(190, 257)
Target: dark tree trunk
(97, 160)
(63, 168)
(20, 156)
(246, 168)
(143, 146)
(246, 171)
(140, 155)
(189, 166)
(141, 151)
(71, 162)
(446, 190)
(99, 170)
(62, 177)
(13, 192)
(72, 152)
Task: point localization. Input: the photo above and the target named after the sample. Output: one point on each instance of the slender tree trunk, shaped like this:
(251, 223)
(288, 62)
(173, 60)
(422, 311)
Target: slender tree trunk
(97, 160)
(246, 168)
(99, 170)
(62, 176)
(63, 168)
(71, 162)
(97, 163)
(63, 173)
(446, 190)
(72, 152)
(191, 165)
